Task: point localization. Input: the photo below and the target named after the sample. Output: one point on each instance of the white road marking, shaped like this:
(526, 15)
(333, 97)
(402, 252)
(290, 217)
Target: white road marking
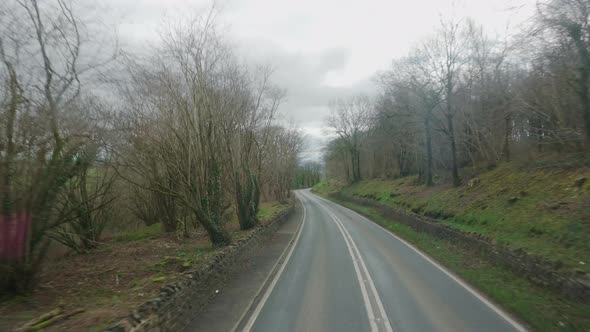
(356, 256)
(260, 305)
(364, 292)
(451, 275)
(370, 280)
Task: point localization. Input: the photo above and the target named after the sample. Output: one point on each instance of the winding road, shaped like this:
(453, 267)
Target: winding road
(346, 273)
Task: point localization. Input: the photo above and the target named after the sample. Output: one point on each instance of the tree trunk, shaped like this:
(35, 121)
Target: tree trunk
(8, 165)
(358, 165)
(217, 235)
(248, 199)
(167, 209)
(355, 161)
(584, 73)
(507, 134)
(455, 170)
(428, 170)
(583, 94)
(211, 208)
(451, 129)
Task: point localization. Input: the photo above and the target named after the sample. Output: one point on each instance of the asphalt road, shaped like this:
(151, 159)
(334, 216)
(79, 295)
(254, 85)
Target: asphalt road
(345, 273)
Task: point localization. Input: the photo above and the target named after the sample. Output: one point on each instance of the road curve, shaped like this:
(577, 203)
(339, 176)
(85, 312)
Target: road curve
(345, 273)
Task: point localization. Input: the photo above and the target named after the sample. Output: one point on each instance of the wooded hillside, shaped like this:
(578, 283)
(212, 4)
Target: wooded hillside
(463, 100)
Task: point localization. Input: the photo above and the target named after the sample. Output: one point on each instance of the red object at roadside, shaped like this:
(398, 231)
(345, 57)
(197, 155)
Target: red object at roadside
(14, 231)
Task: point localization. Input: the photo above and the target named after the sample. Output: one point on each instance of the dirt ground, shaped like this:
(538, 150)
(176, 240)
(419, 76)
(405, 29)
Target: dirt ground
(109, 282)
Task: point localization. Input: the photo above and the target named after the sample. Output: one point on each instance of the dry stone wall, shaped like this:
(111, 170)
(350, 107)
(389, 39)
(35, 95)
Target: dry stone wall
(536, 269)
(176, 305)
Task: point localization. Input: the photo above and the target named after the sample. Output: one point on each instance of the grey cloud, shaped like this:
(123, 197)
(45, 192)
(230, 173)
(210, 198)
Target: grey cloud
(302, 74)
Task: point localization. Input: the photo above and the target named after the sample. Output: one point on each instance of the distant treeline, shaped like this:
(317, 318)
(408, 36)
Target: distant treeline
(307, 174)
(463, 98)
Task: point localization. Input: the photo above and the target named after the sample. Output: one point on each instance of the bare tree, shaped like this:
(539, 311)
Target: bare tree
(247, 130)
(40, 52)
(416, 94)
(178, 123)
(284, 146)
(446, 52)
(202, 126)
(349, 120)
(569, 20)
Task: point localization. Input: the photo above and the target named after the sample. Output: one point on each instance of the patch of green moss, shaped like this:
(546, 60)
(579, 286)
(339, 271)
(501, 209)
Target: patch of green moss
(140, 233)
(267, 211)
(159, 279)
(328, 186)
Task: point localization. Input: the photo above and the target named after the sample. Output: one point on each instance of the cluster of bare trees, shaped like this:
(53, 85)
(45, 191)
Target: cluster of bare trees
(54, 179)
(464, 99)
(186, 136)
(201, 132)
(308, 174)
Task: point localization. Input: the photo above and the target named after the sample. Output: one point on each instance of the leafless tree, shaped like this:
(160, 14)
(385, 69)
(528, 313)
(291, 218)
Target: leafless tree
(349, 120)
(41, 146)
(569, 22)
(446, 54)
(202, 125)
(416, 95)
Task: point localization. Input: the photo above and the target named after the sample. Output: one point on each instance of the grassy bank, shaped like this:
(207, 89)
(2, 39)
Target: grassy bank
(541, 309)
(544, 211)
(125, 271)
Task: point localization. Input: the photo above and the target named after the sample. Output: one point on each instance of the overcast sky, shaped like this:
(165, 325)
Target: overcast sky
(320, 49)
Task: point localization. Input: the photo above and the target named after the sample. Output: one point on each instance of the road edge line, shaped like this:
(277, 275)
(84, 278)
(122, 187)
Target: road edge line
(471, 289)
(257, 303)
(359, 276)
(387, 322)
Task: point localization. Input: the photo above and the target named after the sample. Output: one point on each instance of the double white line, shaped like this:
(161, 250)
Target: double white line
(379, 321)
(371, 298)
(517, 326)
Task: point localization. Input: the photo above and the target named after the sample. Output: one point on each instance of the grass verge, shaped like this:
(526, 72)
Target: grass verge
(267, 211)
(542, 211)
(140, 233)
(540, 308)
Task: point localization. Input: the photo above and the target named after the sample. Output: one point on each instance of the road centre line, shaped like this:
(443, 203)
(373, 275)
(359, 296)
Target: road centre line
(451, 275)
(355, 255)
